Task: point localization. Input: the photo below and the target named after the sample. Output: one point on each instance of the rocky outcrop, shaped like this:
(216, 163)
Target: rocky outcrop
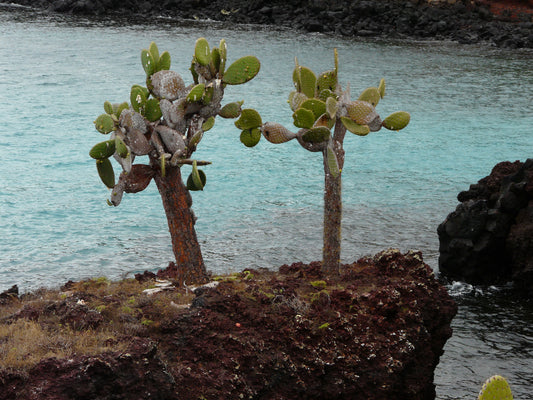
(375, 332)
(489, 237)
(460, 20)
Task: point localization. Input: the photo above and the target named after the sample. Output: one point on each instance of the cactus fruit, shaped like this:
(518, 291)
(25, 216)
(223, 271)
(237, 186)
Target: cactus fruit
(148, 62)
(332, 162)
(371, 95)
(201, 52)
(495, 388)
(164, 61)
(242, 70)
(304, 80)
(250, 137)
(316, 135)
(381, 88)
(103, 150)
(303, 118)
(361, 112)
(106, 173)
(208, 124)
(231, 110)
(196, 93)
(104, 123)
(354, 127)
(397, 120)
(276, 133)
(167, 85)
(249, 119)
(152, 111)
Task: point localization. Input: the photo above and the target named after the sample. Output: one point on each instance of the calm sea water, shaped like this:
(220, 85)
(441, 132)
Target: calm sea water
(471, 107)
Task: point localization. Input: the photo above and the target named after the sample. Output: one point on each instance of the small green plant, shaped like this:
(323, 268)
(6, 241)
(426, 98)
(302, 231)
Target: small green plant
(166, 120)
(319, 284)
(495, 388)
(320, 105)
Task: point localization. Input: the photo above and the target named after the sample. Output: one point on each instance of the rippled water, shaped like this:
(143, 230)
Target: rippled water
(471, 107)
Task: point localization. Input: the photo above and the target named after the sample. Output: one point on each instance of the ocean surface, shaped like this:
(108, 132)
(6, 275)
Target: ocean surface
(471, 107)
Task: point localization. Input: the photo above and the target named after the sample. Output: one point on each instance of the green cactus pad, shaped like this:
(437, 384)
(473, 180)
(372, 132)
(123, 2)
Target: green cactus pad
(152, 111)
(397, 120)
(250, 137)
(106, 173)
(231, 110)
(201, 52)
(327, 80)
(316, 135)
(196, 93)
(361, 112)
(333, 164)
(371, 95)
(303, 118)
(208, 124)
(249, 119)
(118, 108)
(138, 97)
(354, 127)
(208, 94)
(104, 123)
(108, 107)
(381, 88)
(276, 133)
(296, 99)
(164, 61)
(304, 80)
(154, 51)
(195, 139)
(496, 388)
(103, 150)
(242, 70)
(318, 107)
(190, 182)
(215, 60)
(223, 50)
(196, 178)
(121, 148)
(193, 72)
(324, 94)
(148, 62)
(331, 107)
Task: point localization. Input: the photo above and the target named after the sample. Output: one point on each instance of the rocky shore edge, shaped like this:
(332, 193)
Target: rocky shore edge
(501, 23)
(375, 332)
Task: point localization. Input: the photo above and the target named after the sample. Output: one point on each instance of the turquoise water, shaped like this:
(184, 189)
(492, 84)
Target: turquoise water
(471, 106)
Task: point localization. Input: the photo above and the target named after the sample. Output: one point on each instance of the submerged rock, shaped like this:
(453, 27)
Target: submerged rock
(375, 332)
(488, 239)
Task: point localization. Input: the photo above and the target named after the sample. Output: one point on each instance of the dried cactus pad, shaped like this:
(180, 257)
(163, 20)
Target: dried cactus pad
(316, 135)
(361, 112)
(496, 388)
(397, 120)
(276, 133)
(167, 85)
(242, 70)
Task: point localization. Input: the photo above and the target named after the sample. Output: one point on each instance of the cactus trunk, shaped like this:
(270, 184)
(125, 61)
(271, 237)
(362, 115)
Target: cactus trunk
(331, 252)
(177, 203)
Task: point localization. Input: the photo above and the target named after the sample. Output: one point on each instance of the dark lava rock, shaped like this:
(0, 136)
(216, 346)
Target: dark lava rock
(9, 295)
(488, 238)
(375, 332)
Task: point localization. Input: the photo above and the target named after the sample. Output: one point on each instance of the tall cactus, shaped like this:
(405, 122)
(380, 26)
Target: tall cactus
(166, 120)
(320, 105)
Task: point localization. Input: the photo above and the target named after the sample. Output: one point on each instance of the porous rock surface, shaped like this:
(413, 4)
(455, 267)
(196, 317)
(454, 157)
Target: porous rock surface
(488, 239)
(375, 333)
(505, 23)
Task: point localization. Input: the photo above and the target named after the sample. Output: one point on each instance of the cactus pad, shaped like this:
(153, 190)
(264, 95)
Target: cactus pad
(354, 127)
(303, 118)
(121, 148)
(208, 124)
(242, 70)
(316, 135)
(381, 88)
(304, 80)
(361, 112)
(250, 137)
(108, 107)
(249, 119)
(103, 150)
(138, 178)
(106, 173)
(167, 85)
(276, 133)
(148, 62)
(296, 99)
(397, 120)
(333, 164)
(152, 111)
(104, 123)
(327, 80)
(371, 95)
(223, 50)
(231, 110)
(201, 52)
(318, 107)
(138, 97)
(495, 388)
(331, 107)
(196, 93)
(164, 61)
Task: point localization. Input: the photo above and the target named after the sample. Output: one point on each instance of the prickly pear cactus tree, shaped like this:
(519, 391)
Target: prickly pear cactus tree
(166, 119)
(324, 112)
(496, 388)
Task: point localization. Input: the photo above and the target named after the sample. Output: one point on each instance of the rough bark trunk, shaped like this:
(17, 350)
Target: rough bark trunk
(331, 252)
(177, 203)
